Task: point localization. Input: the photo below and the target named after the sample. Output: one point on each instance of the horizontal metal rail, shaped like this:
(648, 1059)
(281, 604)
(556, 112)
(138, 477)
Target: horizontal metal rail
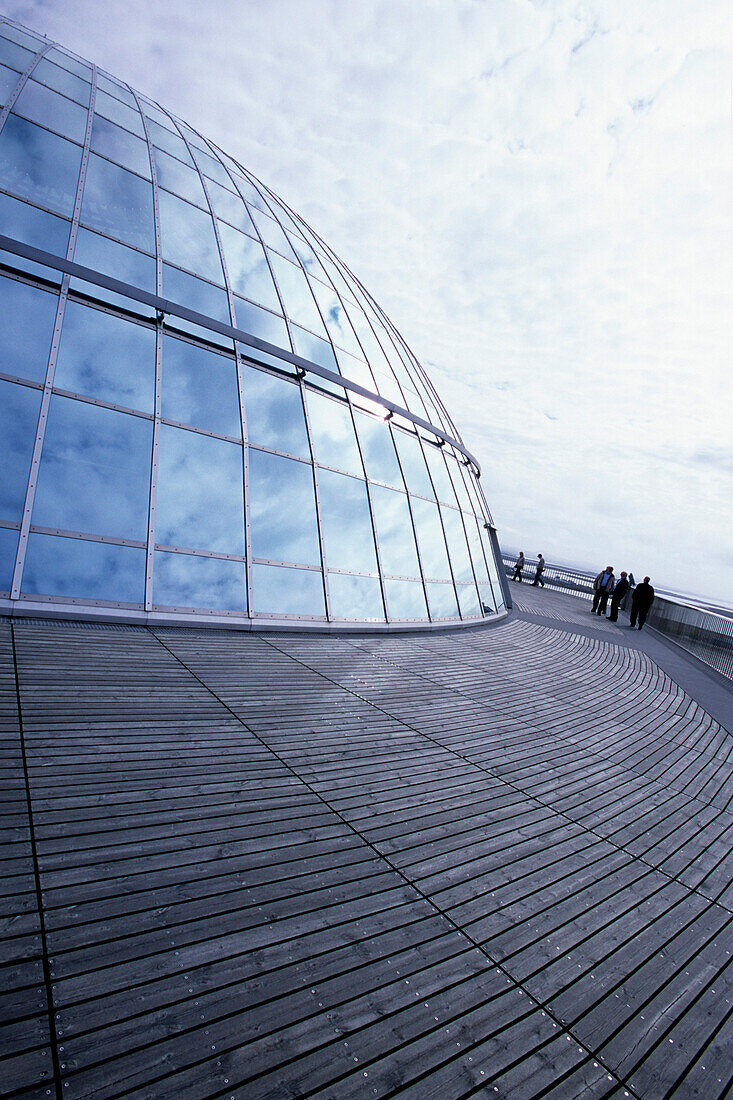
(163, 306)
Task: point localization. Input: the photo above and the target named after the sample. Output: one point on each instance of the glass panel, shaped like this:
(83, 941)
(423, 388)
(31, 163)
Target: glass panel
(317, 350)
(230, 207)
(15, 56)
(307, 256)
(413, 464)
(199, 492)
(27, 326)
(405, 599)
(8, 80)
(187, 290)
(299, 302)
(354, 597)
(34, 226)
(113, 88)
(335, 317)
(116, 260)
(457, 544)
(118, 203)
(40, 104)
(246, 187)
(487, 599)
(279, 591)
(8, 550)
(95, 471)
(177, 177)
(377, 447)
(200, 388)
(247, 267)
(187, 581)
(387, 387)
(22, 37)
(474, 546)
(165, 140)
(394, 532)
(468, 601)
(271, 233)
(275, 415)
(357, 371)
(19, 407)
(332, 433)
(493, 575)
(187, 237)
(84, 570)
(38, 165)
(433, 553)
(346, 522)
(61, 57)
(442, 601)
(367, 339)
(105, 357)
(456, 471)
(208, 164)
(124, 116)
(439, 472)
(282, 509)
(258, 322)
(119, 145)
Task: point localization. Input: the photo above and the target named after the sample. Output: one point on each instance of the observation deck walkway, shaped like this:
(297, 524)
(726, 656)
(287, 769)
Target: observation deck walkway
(488, 862)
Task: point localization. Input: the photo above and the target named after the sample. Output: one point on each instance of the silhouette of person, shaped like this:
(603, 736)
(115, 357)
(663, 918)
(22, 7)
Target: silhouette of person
(518, 567)
(619, 591)
(539, 571)
(602, 589)
(641, 601)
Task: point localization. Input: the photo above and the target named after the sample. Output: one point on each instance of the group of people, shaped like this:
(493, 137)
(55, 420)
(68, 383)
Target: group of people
(606, 585)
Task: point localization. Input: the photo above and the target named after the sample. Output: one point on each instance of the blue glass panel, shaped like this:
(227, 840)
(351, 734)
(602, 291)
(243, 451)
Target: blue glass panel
(118, 203)
(346, 523)
(280, 591)
(200, 388)
(179, 178)
(188, 238)
(61, 80)
(442, 601)
(121, 146)
(187, 581)
(116, 260)
(95, 471)
(274, 411)
(405, 599)
(468, 601)
(332, 433)
(357, 371)
(199, 501)
(187, 290)
(247, 267)
(456, 470)
(299, 303)
(115, 88)
(19, 407)
(84, 570)
(245, 187)
(66, 61)
(230, 208)
(22, 37)
(474, 545)
(457, 546)
(14, 55)
(491, 564)
(260, 323)
(8, 80)
(487, 599)
(164, 139)
(33, 226)
(377, 447)
(282, 509)
(27, 326)
(105, 357)
(317, 350)
(41, 104)
(271, 233)
(307, 256)
(433, 553)
(111, 108)
(355, 598)
(8, 550)
(38, 165)
(413, 464)
(370, 345)
(439, 473)
(208, 164)
(337, 322)
(394, 532)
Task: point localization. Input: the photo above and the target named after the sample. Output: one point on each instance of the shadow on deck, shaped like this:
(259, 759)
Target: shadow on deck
(493, 861)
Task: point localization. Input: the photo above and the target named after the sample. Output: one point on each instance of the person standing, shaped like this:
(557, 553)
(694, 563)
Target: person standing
(641, 601)
(602, 589)
(539, 571)
(518, 567)
(619, 591)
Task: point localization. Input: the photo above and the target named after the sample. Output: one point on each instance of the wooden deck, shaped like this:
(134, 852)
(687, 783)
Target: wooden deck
(493, 862)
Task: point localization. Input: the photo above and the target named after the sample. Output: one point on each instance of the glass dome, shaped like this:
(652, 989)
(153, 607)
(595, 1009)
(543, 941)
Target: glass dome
(203, 412)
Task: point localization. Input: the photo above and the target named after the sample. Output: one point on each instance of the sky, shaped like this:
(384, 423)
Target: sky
(538, 194)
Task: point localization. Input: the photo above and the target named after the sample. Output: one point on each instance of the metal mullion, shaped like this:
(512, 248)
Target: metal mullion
(153, 501)
(30, 494)
(21, 83)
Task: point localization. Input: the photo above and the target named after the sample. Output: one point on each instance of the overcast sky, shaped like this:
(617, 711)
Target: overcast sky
(540, 197)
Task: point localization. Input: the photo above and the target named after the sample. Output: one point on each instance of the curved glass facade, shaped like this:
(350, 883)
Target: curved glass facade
(202, 411)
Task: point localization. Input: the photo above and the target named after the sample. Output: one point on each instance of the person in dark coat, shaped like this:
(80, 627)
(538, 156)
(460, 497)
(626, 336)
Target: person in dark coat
(539, 571)
(620, 589)
(518, 567)
(602, 589)
(641, 601)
